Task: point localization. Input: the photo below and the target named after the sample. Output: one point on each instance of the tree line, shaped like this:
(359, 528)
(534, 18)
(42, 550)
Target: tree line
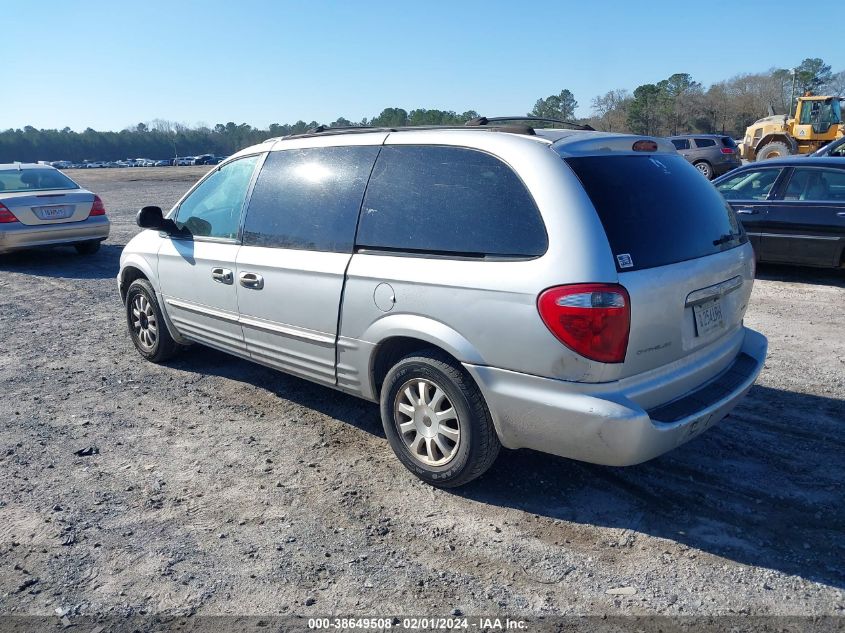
(675, 105)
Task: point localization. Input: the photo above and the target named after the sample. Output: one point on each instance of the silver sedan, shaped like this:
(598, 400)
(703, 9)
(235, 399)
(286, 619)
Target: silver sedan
(40, 206)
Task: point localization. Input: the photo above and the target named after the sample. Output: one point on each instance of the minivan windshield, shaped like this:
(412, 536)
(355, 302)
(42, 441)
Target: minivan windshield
(656, 209)
(17, 180)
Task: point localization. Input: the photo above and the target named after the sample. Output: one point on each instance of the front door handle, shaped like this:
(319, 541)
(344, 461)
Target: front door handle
(747, 211)
(251, 280)
(841, 214)
(222, 275)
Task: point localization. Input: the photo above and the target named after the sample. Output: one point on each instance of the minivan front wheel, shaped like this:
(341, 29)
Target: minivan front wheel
(146, 324)
(436, 420)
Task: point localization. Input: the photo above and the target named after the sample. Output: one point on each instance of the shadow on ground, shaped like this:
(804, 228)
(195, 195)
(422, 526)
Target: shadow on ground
(763, 488)
(802, 274)
(64, 262)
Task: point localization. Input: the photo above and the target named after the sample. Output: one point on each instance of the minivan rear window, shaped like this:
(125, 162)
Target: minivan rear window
(656, 209)
(727, 141)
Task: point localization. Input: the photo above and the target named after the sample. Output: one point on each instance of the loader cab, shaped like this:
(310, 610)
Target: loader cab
(818, 114)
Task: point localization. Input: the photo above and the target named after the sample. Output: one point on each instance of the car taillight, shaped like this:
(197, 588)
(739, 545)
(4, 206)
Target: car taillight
(97, 208)
(727, 150)
(591, 319)
(6, 216)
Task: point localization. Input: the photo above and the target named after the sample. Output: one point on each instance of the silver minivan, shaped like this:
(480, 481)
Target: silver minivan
(574, 292)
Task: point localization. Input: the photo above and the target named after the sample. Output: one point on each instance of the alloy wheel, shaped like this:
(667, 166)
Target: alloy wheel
(427, 422)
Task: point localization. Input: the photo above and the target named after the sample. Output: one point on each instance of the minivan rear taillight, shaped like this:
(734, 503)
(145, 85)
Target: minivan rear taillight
(591, 319)
(97, 208)
(6, 216)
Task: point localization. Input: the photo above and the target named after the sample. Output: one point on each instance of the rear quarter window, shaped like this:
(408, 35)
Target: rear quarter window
(449, 201)
(656, 209)
(705, 142)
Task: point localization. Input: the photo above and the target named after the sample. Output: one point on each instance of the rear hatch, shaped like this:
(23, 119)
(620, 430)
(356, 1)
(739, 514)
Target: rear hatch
(680, 253)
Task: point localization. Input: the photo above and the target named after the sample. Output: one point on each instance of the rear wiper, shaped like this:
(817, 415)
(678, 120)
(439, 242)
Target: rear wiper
(727, 237)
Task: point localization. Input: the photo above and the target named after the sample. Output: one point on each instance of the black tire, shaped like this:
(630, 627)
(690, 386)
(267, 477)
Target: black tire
(87, 248)
(705, 168)
(775, 149)
(477, 446)
(162, 346)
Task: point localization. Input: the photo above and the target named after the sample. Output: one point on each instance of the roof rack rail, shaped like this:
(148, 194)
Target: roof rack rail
(483, 120)
(322, 130)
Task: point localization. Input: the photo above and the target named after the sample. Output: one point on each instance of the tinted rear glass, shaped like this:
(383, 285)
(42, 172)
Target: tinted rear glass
(680, 143)
(656, 210)
(704, 142)
(449, 200)
(13, 180)
(727, 141)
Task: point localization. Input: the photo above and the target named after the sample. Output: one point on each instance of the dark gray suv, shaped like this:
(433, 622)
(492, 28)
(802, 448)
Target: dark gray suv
(711, 154)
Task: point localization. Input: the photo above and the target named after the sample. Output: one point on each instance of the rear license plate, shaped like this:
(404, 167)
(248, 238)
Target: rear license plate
(708, 317)
(53, 213)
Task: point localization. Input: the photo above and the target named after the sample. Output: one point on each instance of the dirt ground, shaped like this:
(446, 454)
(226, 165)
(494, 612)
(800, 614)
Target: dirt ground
(215, 486)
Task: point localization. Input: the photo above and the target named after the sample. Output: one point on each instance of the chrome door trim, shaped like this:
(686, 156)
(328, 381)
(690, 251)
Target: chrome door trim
(289, 331)
(205, 310)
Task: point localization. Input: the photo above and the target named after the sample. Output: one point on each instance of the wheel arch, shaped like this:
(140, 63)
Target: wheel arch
(791, 143)
(128, 274)
(135, 266)
(396, 336)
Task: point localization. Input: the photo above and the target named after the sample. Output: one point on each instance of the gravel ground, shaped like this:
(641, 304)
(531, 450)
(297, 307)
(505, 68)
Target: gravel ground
(215, 486)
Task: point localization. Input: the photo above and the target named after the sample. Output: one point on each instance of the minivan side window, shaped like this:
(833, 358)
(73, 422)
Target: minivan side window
(213, 209)
(680, 143)
(449, 201)
(308, 199)
(704, 142)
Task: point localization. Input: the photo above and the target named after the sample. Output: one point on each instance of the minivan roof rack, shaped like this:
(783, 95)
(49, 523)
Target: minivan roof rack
(483, 120)
(322, 130)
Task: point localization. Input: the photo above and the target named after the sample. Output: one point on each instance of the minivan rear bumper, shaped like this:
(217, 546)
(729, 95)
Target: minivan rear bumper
(606, 426)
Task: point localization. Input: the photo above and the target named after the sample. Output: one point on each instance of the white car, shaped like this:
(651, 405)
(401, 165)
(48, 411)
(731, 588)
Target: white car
(41, 206)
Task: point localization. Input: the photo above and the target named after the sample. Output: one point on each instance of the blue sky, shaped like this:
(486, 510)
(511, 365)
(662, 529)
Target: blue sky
(110, 64)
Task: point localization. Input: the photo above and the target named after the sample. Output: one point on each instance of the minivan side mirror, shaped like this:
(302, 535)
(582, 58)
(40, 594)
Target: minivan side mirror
(152, 218)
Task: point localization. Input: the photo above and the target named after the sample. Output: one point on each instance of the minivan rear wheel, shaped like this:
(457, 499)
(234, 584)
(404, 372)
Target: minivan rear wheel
(146, 324)
(436, 420)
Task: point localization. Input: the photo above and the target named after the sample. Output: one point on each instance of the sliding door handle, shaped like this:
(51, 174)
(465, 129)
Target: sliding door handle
(251, 280)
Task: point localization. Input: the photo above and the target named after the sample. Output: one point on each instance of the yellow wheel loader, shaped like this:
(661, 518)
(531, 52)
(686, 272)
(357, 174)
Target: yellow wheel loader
(817, 122)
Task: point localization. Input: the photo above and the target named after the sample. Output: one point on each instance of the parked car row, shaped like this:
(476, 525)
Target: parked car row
(202, 159)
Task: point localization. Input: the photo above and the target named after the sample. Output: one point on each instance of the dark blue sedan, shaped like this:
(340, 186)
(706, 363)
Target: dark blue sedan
(793, 209)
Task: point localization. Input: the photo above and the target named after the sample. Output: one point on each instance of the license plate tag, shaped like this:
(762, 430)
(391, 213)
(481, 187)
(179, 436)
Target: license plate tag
(708, 317)
(53, 213)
